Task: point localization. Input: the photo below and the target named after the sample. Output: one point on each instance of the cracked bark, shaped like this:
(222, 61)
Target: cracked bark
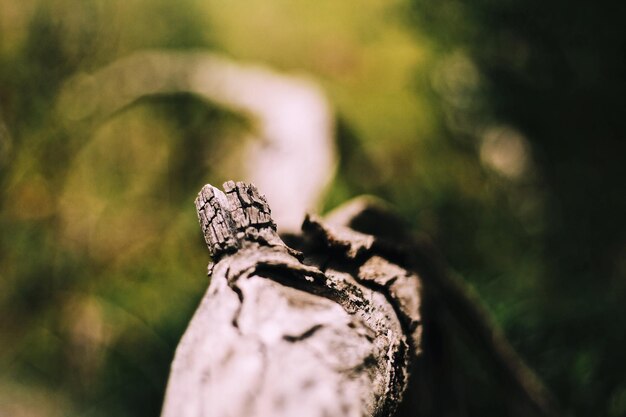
(285, 333)
(331, 324)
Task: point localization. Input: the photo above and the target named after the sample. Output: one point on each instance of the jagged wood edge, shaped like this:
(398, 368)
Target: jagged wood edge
(246, 245)
(457, 299)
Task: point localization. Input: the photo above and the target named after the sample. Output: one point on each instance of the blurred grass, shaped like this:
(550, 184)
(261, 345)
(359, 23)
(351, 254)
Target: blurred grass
(101, 259)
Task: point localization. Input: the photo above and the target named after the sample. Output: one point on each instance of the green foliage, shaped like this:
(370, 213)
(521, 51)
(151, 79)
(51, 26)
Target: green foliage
(554, 71)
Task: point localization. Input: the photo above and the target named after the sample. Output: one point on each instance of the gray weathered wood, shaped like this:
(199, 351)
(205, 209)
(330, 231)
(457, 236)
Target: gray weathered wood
(332, 332)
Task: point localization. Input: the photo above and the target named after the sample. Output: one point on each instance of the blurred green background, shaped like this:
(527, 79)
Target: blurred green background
(496, 127)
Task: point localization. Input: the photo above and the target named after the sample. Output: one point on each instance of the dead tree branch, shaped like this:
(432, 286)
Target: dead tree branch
(350, 318)
(281, 334)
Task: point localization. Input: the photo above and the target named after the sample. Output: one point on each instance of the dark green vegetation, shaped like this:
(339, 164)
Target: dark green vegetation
(555, 71)
(495, 127)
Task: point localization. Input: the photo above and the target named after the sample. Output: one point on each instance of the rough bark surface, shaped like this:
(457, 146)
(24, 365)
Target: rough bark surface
(451, 313)
(329, 331)
(352, 316)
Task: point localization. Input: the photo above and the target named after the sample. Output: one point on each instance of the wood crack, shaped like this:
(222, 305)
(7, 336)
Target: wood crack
(299, 340)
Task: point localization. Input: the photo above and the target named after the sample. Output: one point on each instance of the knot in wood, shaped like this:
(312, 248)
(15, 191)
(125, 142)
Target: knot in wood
(231, 218)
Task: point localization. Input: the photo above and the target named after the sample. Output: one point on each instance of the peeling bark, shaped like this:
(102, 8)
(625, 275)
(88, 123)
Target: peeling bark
(288, 333)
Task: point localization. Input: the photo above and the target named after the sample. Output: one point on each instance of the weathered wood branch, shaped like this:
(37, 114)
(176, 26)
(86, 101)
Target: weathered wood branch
(332, 332)
(351, 317)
